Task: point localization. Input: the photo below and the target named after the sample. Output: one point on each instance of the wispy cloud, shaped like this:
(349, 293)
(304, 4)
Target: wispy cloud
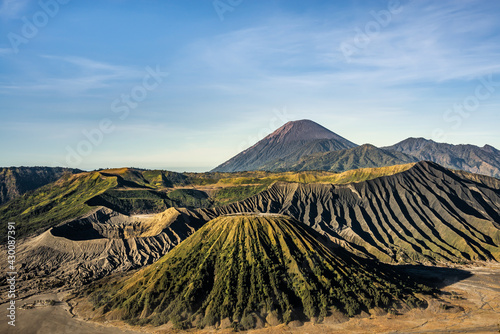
(426, 42)
(5, 51)
(74, 75)
(437, 45)
(89, 64)
(11, 9)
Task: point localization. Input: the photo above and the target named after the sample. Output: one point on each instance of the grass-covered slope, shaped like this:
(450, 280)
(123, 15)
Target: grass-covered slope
(16, 181)
(267, 178)
(154, 179)
(54, 203)
(146, 201)
(248, 267)
(364, 156)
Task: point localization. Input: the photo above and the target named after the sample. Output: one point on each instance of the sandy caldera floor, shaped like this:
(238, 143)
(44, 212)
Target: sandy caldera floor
(467, 305)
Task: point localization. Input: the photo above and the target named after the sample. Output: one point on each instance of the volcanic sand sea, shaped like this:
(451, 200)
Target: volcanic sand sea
(472, 306)
(51, 319)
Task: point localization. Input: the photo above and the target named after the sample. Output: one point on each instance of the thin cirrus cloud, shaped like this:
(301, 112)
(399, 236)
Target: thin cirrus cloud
(11, 9)
(75, 75)
(88, 64)
(429, 55)
(5, 51)
(411, 49)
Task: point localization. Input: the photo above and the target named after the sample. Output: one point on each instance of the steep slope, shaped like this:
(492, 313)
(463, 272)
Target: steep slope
(363, 156)
(244, 268)
(104, 241)
(288, 143)
(16, 181)
(483, 160)
(55, 202)
(424, 214)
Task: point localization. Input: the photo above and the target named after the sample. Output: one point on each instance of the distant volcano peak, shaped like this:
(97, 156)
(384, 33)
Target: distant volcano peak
(288, 143)
(304, 129)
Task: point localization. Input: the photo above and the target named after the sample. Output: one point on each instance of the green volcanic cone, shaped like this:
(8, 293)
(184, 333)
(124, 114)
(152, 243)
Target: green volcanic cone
(243, 268)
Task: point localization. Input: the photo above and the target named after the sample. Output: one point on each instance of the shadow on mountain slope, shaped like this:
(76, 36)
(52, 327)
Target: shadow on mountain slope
(436, 277)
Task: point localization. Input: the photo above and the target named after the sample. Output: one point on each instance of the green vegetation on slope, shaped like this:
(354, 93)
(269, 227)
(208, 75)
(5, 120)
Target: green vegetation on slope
(245, 267)
(16, 181)
(54, 203)
(134, 201)
(427, 214)
(155, 179)
(364, 156)
(267, 178)
(238, 193)
(139, 201)
(190, 198)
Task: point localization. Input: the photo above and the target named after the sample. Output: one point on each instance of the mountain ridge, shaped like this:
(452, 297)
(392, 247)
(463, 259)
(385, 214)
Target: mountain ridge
(417, 213)
(484, 160)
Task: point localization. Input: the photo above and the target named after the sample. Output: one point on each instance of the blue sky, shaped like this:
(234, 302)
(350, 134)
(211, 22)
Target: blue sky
(78, 85)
